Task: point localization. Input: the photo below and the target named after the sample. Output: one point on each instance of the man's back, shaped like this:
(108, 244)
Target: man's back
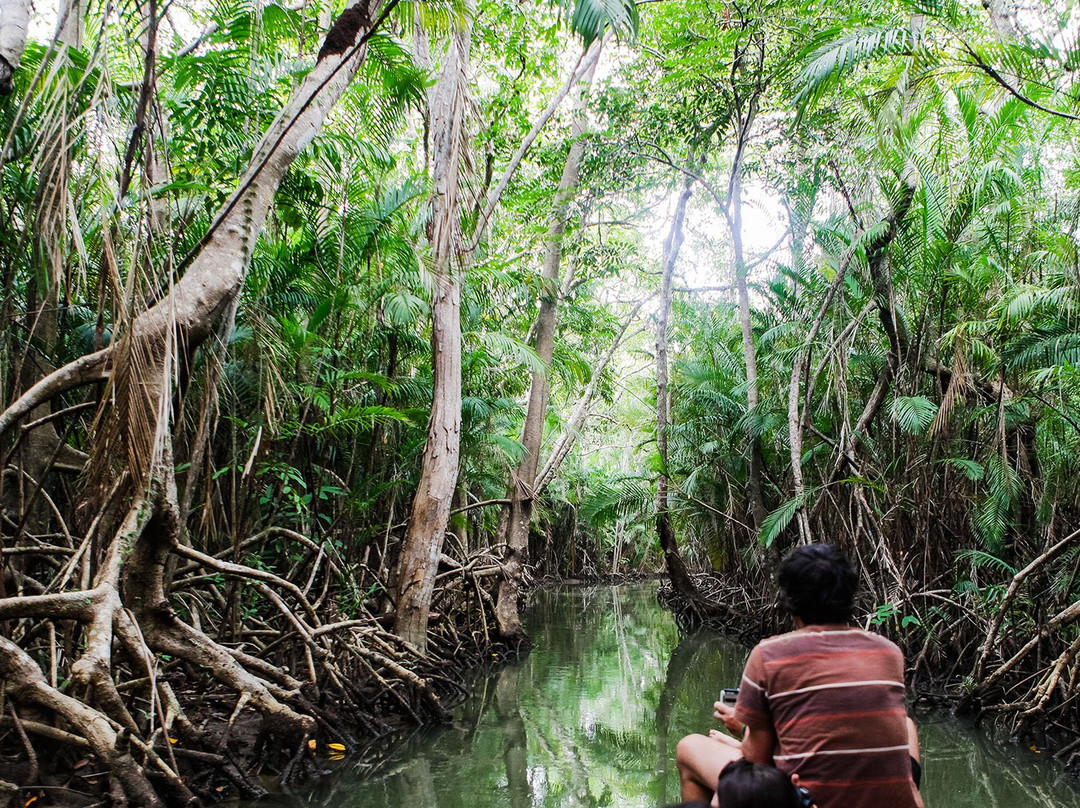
(834, 696)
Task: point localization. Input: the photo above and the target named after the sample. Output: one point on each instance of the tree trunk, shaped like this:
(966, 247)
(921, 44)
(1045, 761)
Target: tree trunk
(676, 567)
(447, 105)
(14, 23)
(522, 492)
(757, 502)
(217, 271)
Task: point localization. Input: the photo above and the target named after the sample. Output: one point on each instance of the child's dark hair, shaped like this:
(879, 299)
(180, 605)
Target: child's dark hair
(817, 584)
(743, 784)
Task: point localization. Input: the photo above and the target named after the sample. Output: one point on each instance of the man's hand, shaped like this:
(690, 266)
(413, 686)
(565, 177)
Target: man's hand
(725, 713)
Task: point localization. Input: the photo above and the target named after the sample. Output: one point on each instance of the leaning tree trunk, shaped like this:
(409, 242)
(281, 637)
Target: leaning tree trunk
(522, 493)
(131, 500)
(745, 105)
(447, 105)
(580, 412)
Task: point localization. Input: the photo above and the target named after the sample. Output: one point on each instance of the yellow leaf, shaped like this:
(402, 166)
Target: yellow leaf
(172, 740)
(337, 747)
(337, 756)
(312, 744)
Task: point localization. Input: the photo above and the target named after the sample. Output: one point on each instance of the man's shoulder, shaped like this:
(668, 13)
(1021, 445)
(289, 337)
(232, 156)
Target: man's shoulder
(809, 638)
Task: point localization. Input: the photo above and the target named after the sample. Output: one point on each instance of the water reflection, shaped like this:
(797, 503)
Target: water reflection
(592, 717)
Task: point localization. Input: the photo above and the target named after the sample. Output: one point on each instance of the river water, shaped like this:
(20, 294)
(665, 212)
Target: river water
(592, 716)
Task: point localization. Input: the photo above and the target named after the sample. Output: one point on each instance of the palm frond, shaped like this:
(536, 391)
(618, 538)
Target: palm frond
(982, 559)
(591, 18)
(837, 50)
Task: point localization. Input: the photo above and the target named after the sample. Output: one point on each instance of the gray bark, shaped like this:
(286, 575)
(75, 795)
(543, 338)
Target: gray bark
(676, 567)
(447, 104)
(14, 23)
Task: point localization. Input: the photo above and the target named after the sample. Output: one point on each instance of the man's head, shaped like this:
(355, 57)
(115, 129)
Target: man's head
(817, 584)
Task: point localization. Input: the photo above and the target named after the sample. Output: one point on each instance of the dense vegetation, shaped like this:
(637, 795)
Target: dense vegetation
(327, 328)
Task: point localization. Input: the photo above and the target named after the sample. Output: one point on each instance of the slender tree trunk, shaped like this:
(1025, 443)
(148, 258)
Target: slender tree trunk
(565, 442)
(877, 257)
(430, 514)
(676, 567)
(757, 502)
(522, 492)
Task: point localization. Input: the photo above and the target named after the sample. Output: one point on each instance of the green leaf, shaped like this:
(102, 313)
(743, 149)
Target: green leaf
(972, 470)
(913, 414)
(776, 522)
(837, 50)
(983, 559)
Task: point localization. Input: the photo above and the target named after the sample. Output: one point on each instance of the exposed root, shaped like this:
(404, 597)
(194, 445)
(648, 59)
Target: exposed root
(150, 685)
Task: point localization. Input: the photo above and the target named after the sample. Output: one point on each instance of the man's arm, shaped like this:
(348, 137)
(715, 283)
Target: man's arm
(758, 745)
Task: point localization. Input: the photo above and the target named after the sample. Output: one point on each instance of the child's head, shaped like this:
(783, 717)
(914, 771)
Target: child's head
(744, 784)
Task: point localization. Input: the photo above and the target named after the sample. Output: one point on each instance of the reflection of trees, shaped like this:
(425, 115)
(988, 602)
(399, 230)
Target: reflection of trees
(965, 767)
(416, 785)
(594, 682)
(677, 668)
(515, 739)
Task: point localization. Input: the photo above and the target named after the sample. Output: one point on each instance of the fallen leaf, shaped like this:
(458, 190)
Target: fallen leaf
(337, 747)
(312, 744)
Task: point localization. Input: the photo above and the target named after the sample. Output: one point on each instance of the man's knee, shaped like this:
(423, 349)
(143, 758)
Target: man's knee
(688, 750)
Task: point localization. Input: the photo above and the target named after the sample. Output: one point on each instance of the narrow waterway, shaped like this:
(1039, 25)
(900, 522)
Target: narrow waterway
(592, 717)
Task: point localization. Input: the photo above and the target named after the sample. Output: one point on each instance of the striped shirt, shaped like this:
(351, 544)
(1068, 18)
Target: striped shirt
(834, 696)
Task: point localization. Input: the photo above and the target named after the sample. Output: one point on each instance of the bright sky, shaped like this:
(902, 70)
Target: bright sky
(706, 259)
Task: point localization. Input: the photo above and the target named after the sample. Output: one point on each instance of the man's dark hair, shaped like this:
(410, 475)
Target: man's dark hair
(817, 584)
(744, 784)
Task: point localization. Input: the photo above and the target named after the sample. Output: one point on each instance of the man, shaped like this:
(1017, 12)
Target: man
(824, 702)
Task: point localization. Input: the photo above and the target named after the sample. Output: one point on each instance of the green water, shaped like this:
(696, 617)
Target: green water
(592, 716)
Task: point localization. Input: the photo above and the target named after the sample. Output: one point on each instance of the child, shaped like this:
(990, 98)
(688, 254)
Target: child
(743, 784)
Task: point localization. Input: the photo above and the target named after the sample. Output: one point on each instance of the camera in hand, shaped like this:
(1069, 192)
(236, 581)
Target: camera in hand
(805, 800)
(729, 695)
